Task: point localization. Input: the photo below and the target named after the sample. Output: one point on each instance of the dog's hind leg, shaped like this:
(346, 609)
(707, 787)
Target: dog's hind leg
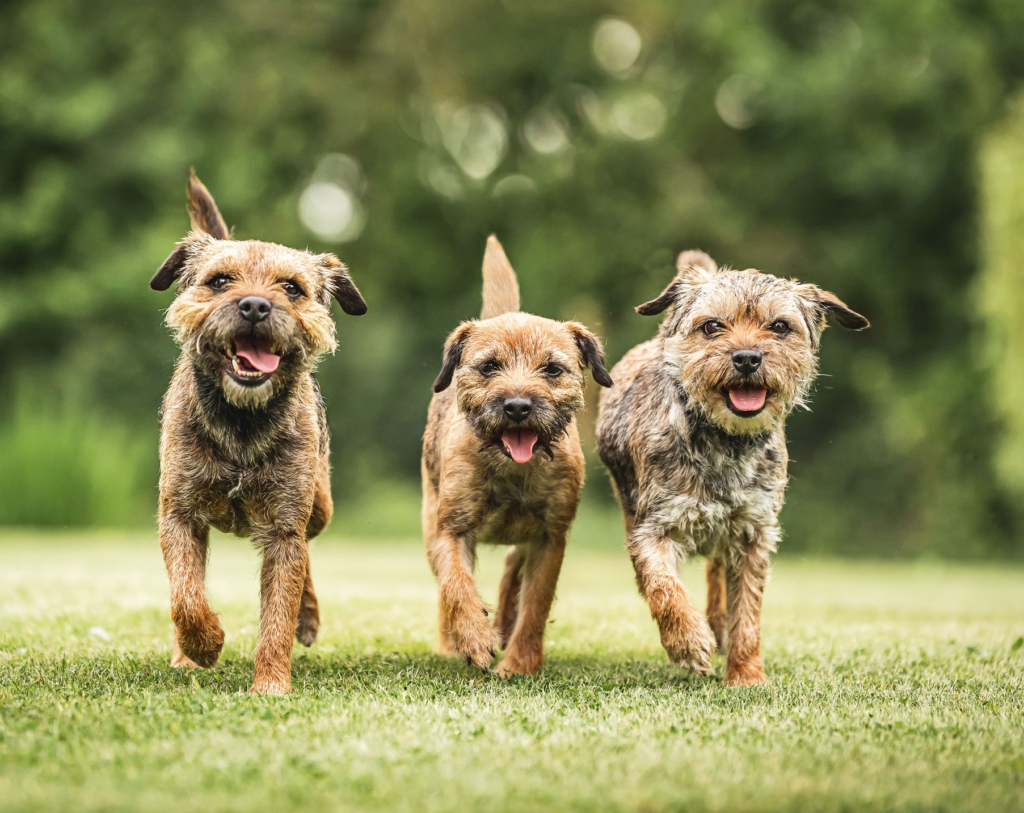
(508, 595)
(717, 612)
(309, 609)
(309, 612)
(540, 571)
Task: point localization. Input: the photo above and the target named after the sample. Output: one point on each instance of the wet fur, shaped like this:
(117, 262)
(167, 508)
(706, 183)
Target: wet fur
(251, 461)
(691, 476)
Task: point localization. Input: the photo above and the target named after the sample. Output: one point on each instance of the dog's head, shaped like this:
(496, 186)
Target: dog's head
(251, 315)
(519, 379)
(743, 344)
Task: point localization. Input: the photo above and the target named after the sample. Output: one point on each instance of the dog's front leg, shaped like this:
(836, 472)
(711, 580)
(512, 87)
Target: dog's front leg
(685, 633)
(462, 612)
(746, 576)
(285, 565)
(198, 637)
(540, 577)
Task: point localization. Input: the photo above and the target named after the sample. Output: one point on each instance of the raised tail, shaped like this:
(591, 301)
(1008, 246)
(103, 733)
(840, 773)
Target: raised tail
(501, 288)
(203, 210)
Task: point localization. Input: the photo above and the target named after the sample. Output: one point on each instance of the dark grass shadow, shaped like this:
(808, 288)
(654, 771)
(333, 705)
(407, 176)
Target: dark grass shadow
(320, 674)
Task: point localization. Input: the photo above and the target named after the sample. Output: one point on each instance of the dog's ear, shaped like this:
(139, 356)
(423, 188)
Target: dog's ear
(203, 211)
(171, 269)
(453, 348)
(817, 304)
(591, 352)
(847, 318)
(691, 267)
(176, 265)
(341, 286)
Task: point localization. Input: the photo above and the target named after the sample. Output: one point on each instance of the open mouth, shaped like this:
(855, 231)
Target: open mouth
(519, 444)
(251, 361)
(746, 400)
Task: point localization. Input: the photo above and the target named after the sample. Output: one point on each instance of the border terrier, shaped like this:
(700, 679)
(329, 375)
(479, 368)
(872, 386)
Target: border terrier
(244, 442)
(502, 464)
(693, 435)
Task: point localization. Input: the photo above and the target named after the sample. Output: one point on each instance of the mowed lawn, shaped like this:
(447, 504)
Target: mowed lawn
(892, 686)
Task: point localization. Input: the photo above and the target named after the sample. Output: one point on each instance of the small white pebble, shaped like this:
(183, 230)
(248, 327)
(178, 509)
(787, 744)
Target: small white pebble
(99, 632)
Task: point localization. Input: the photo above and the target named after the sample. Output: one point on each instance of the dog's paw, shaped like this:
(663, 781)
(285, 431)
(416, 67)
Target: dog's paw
(750, 673)
(180, 661)
(307, 628)
(476, 641)
(202, 645)
(519, 664)
(691, 647)
(270, 687)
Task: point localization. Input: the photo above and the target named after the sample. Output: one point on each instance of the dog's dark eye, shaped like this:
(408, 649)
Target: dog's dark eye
(488, 368)
(779, 327)
(219, 282)
(553, 370)
(293, 290)
(711, 327)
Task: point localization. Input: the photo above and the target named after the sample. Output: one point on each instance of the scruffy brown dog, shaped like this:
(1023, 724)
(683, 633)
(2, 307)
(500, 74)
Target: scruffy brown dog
(502, 464)
(693, 436)
(244, 446)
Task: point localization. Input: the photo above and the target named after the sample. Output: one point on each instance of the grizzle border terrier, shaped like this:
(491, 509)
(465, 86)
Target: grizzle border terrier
(693, 437)
(502, 464)
(244, 446)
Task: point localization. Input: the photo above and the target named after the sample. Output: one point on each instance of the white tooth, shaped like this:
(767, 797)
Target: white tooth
(234, 363)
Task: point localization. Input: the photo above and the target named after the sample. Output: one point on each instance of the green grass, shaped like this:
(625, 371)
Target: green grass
(895, 686)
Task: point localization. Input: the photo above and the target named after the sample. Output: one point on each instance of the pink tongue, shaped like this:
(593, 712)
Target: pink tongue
(748, 399)
(520, 443)
(262, 360)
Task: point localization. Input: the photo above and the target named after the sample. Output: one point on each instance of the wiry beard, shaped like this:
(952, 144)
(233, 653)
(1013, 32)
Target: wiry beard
(549, 420)
(206, 349)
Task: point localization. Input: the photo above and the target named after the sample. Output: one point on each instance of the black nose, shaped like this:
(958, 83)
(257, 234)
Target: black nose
(255, 308)
(746, 361)
(518, 408)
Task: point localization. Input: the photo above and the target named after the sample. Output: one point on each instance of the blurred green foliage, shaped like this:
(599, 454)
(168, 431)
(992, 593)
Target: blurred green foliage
(835, 142)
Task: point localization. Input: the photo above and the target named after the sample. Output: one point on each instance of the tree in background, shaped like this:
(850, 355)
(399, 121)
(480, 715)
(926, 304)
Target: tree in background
(833, 142)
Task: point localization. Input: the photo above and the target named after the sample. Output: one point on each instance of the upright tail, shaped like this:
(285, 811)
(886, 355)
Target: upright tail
(501, 289)
(203, 210)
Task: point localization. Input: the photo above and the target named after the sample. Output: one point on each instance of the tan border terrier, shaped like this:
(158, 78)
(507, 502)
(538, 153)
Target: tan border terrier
(244, 446)
(502, 464)
(693, 435)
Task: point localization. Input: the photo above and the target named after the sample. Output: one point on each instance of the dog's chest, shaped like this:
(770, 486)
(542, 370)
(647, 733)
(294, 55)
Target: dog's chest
(514, 514)
(717, 499)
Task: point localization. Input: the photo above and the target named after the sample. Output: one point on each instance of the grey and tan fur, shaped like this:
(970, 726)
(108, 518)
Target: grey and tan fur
(693, 435)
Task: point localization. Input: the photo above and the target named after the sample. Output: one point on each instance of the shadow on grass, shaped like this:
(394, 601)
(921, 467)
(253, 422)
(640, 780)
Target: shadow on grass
(322, 674)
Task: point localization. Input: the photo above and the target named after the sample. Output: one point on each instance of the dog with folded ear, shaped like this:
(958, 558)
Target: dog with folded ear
(244, 445)
(693, 435)
(502, 464)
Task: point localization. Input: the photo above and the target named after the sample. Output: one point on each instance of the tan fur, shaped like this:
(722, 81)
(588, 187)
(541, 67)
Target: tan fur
(692, 475)
(474, 493)
(247, 460)
(501, 288)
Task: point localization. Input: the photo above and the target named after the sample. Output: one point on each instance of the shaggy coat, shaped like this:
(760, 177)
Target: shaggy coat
(693, 436)
(244, 441)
